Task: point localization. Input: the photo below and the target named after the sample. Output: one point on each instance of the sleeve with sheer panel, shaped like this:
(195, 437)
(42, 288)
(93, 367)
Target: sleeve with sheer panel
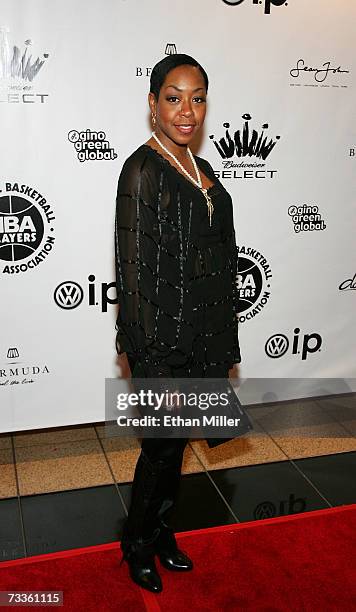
(228, 236)
(234, 269)
(233, 256)
(148, 274)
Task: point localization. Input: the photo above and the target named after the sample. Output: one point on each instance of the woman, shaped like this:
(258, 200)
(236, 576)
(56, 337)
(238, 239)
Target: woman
(176, 263)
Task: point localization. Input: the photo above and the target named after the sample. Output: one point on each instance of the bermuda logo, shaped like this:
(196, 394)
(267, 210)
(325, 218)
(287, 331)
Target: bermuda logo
(243, 143)
(12, 353)
(253, 282)
(68, 295)
(15, 371)
(170, 49)
(26, 228)
(267, 3)
(18, 69)
(91, 145)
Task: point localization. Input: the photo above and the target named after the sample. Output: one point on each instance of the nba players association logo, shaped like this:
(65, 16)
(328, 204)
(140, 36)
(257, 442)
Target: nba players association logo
(18, 70)
(245, 143)
(253, 281)
(26, 228)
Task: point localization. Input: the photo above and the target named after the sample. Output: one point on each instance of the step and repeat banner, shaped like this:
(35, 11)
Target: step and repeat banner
(280, 133)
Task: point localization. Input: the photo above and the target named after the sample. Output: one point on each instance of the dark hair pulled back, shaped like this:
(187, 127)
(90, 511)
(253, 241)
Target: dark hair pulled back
(164, 66)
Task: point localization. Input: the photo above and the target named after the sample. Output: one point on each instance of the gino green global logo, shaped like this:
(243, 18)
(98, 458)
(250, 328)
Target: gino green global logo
(91, 145)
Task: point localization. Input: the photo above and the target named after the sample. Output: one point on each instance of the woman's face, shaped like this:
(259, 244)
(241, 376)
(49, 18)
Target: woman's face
(181, 106)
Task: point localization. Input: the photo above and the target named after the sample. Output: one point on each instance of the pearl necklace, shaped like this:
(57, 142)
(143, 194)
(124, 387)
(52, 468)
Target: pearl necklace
(197, 181)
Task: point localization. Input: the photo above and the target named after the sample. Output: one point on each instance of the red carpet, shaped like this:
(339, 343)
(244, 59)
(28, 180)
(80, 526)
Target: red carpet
(298, 563)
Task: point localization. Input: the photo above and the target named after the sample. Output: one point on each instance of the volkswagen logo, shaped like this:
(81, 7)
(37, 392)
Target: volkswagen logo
(277, 345)
(264, 510)
(68, 295)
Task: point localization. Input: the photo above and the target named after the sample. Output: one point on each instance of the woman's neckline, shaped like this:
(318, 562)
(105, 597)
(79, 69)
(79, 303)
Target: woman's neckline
(213, 186)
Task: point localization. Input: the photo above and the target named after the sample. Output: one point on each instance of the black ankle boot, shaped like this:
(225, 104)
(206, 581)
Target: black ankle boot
(139, 531)
(140, 557)
(168, 552)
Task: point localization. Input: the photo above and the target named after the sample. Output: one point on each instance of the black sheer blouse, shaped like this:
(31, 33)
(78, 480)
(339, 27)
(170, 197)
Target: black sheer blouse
(175, 274)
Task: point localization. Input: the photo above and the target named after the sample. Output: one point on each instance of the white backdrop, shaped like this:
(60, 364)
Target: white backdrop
(297, 287)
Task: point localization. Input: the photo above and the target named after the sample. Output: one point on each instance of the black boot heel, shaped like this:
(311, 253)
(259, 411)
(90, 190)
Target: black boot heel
(140, 557)
(168, 552)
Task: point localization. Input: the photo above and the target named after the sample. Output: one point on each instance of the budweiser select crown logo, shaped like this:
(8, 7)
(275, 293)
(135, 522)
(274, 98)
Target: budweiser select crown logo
(19, 67)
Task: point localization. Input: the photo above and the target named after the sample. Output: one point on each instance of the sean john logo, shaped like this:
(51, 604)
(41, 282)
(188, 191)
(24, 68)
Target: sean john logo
(320, 74)
(267, 3)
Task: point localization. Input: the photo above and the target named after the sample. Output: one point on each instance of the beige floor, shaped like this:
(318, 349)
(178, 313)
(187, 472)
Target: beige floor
(67, 458)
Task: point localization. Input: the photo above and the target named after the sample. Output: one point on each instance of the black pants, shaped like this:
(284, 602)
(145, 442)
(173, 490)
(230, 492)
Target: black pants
(156, 482)
(158, 471)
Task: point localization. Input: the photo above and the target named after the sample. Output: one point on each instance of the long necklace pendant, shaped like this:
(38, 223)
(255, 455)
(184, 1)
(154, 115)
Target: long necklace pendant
(209, 204)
